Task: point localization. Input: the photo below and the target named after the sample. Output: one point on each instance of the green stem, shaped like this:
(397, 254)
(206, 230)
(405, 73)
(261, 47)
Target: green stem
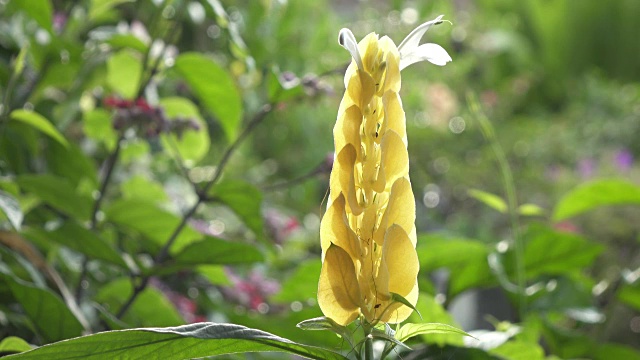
(512, 200)
(368, 348)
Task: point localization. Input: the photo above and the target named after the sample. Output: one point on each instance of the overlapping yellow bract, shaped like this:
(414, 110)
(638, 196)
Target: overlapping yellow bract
(368, 232)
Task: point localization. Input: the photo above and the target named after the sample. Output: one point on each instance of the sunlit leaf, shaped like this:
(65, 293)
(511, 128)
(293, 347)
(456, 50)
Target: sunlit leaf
(519, 350)
(138, 187)
(491, 200)
(39, 10)
(215, 88)
(127, 41)
(98, 125)
(39, 123)
(182, 342)
(124, 73)
(590, 195)
(530, 210)
(192, 144)
(10, 207)
(13, 344)
(302, 284)
(410, 330)
(435, 313)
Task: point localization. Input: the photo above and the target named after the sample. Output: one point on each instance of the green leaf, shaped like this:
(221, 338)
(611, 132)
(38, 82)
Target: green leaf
(49, 315)
(630, 295)
(182, 342)
(127, 41)
(491, 200)
(13, 344)
(215, 274)
(138, 187)
(435, 313)
(320, 323)
(519, 350)
(616, 351)
(466, 260)
(399, 298)
(530, 210)
(410, 330)
(244, 199)
(554, 253)
(100, 7)
(39, 123)
(215, 88)
(97, 125)
(58, 193)
(11, 209)
(151, 307)
(151, 221)
(77, 238)
(211, 251)
(124, 72)
(193, 144)
(590, 195)
(302, 285)
(39, 10)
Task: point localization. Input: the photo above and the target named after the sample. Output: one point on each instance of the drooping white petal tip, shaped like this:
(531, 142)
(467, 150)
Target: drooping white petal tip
(348, 41)
(412, 52)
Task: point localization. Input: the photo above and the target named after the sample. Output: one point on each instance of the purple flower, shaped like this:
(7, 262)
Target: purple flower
(623, 160)
(586, 167)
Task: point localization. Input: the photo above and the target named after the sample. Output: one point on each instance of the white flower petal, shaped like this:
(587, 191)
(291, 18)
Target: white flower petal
(433, 53)
(348, 41)
(411, 42)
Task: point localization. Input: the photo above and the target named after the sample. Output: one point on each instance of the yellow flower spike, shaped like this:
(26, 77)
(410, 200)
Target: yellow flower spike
(368, 234)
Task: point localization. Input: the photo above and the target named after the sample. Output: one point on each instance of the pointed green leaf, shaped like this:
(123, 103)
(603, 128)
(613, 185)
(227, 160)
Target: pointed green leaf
(381, 335)
(435, 313)
(58, 193)
(245, 200)
(39, 123)
(590, 195)
(13, 344)
(320, 323)
(49, 315)
(399, 298)
(215, 88)
(410, 330)
(11, 209)
(182, 342)
(491, 200)
(192, 144)
(124, 73)
(530, 210)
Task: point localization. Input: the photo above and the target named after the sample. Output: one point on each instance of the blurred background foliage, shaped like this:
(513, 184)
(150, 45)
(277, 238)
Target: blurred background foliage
(165, 162)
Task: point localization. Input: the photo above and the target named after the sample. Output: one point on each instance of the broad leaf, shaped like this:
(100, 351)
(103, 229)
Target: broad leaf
(58, 193)
(182, 342)
(630, 295)
(124, 73)
(215, 88)
(519, 350)
(152, 222)
(39, 123)
(138, 187)
(435, 313)
(86, 242)
(151, 307)
(211, 251)
(245, 200)
(39, 10)
(49, 315)
(98, 125)
(410, 330)
(302, 285)
(192, 145)
(127, 41)
(10, 207)
(591, 195)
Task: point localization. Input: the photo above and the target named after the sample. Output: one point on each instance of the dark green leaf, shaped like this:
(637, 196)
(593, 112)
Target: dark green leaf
(466, 260)
(151, 221)
(192, 144)
(410, 330)
(244, 199)
(591, 195)
(39, 123)
(518, 350)
(616, 351)
(215, 88)
(212, 251)
(48, 313)
(11, 209)
(630, 295)
(124, 73)
(86, 242)
(58, 193)
(182, 342)
(12, 344)
(151, 307)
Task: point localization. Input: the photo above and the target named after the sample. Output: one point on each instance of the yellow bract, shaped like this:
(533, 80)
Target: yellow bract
(368, 234)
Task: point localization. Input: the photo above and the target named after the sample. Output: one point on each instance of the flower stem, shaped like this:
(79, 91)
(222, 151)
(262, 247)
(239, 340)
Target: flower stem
(368, 348)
